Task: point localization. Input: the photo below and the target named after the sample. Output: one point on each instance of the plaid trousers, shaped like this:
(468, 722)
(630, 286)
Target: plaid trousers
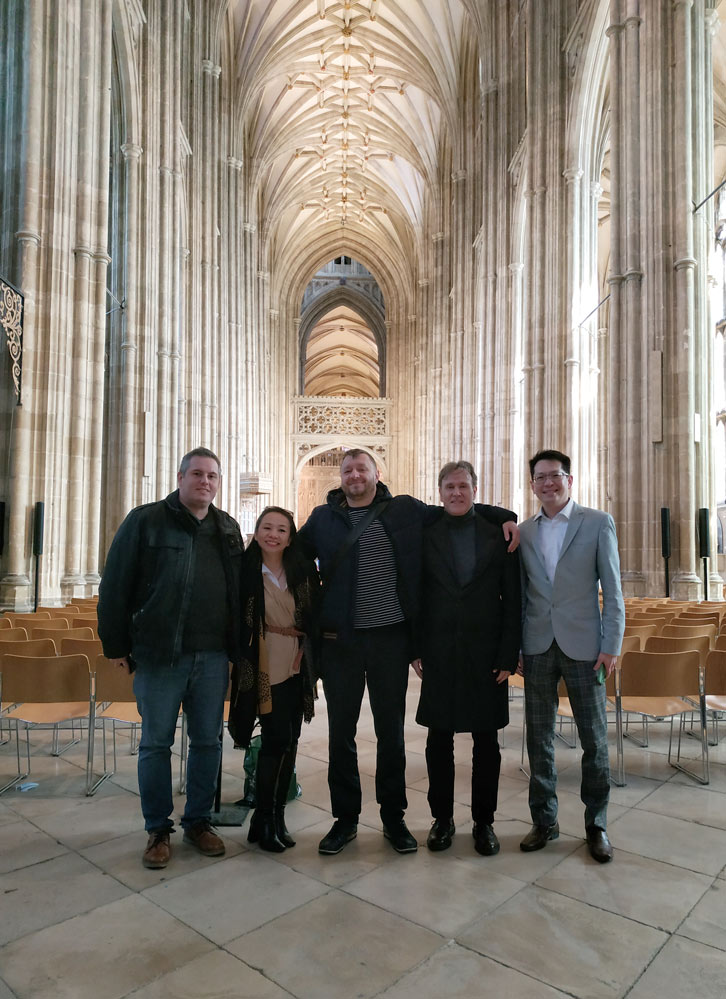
(542, 673)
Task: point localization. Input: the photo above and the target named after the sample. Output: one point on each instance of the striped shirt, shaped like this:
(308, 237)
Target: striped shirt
(376, 599)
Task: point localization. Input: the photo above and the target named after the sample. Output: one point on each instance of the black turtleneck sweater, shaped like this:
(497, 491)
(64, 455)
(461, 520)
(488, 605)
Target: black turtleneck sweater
(462, 532)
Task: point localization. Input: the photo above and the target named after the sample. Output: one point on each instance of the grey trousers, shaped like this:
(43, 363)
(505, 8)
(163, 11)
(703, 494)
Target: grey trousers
(542, 673)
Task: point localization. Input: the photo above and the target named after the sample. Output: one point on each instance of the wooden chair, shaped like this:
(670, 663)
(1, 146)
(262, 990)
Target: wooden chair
(690, 631)
(72, 646)
(57, 634)
(656, 685)
(50, 624)
(631, 643)
(84, 621)
(62, 611)
(19, 619)
(5, 622)
(114, 690)
(32, 647)
(46, 691)
(719, 645)
(663, 643)
(697, 617)
(715, 696)
(643, 631)
(14, 635)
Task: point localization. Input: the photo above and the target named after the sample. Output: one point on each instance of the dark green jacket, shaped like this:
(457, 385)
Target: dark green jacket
(147, 582)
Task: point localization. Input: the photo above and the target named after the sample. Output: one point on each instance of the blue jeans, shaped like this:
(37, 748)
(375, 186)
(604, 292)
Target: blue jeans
(198, 681)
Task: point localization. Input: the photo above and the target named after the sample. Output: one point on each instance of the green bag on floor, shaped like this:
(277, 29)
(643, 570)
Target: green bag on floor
(250, 768)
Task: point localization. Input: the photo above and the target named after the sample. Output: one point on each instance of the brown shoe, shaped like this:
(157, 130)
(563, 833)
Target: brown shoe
(158, 850)
(201, 837)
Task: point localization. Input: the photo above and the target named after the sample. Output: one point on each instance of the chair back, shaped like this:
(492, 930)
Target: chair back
(14, 635)
(45, 679)
(51, 624)
(659, 674)
(719, 644)
(5, 622)
(663, 643)
(112, 682)
(716, 674)
(20, 620)
(698, 617)
(57, 634)
(70, 646)
(33, 647)
(643, 631)
(61, 611)
(631, 643)
(85, 621)
(690, 631)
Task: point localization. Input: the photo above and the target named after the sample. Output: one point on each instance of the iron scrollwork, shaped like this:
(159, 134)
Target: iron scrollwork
(11, 320)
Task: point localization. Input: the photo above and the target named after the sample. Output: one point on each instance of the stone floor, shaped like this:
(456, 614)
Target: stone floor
(80, 917)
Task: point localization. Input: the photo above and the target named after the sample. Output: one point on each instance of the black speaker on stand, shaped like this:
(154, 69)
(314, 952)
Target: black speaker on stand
(704, 545)
(38, 523)
(665, 543)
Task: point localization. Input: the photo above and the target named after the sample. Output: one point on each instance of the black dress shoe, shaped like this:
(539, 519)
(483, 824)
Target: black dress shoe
(485, 839)
(400, 838)
(538, 836)
(340, 833)
(439, 837)
(598, 844)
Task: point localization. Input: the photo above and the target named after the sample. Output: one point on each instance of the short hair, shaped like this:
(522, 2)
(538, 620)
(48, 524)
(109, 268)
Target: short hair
(549, 455)
(452, 466)
(198, 452)
(357, 452)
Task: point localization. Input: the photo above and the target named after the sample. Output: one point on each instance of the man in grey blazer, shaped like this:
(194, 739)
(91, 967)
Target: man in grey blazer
(566, 551)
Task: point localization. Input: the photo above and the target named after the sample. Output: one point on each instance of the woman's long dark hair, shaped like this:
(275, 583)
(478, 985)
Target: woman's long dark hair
(294, 563)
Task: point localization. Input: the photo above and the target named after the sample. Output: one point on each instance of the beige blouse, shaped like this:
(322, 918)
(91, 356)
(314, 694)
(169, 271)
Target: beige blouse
(281, 651)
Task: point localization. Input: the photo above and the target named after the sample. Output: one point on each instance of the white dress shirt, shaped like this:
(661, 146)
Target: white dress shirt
(550, 536)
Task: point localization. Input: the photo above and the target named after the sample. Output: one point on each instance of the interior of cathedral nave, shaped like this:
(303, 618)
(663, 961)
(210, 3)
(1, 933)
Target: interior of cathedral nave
(435, 229)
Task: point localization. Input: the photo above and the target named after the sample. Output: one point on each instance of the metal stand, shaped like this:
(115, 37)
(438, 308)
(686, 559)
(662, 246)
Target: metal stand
(667, 577)
(705, 579)
(37, 581)
(226, 815)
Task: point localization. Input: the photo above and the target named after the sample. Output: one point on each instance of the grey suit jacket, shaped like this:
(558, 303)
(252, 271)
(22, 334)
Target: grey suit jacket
(567, 610)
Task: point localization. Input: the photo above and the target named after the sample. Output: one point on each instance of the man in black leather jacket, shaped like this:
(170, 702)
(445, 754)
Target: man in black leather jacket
(370, 598)
(169, 611)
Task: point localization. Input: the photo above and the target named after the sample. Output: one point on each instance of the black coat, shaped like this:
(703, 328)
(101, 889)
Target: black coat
(403, 520)
(466, 634)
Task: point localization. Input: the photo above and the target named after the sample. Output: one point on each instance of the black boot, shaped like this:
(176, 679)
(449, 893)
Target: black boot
(287, 766)
(262, 824)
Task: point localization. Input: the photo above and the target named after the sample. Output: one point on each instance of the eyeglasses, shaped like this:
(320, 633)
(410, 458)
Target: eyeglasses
(549, 477)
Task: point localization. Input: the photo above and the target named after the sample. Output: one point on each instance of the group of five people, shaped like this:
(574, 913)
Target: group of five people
(370, 585)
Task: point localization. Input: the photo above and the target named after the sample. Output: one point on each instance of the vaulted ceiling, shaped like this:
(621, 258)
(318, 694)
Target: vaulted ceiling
(345, 107)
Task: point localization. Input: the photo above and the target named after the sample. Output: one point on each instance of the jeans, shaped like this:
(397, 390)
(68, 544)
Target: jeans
(378, 658)
(198, 681)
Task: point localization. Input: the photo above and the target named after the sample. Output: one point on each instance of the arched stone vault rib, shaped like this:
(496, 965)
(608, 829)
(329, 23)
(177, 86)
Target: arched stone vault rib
(362, 306)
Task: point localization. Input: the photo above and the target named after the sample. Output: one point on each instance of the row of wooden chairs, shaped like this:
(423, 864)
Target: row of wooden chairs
(54, 689)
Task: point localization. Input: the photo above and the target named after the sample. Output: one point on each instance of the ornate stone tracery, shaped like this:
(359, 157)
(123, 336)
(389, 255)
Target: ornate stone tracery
(11, 320)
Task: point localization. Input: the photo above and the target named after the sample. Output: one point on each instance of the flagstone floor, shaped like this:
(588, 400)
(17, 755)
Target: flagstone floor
(80, 917)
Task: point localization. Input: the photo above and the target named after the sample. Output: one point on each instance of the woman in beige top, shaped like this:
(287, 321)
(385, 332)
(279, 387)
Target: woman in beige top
(279, 588)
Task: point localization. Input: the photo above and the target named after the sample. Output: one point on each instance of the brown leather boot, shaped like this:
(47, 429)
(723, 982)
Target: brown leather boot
(158, 850)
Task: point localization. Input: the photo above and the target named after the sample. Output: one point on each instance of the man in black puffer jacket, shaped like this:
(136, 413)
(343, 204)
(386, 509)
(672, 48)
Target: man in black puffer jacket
(168, 609)
(371, 594)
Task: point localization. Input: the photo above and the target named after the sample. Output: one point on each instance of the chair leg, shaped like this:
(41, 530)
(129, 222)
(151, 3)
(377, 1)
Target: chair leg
(705, 776)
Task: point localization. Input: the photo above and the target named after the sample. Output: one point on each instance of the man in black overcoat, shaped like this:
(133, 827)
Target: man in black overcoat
(469, 639)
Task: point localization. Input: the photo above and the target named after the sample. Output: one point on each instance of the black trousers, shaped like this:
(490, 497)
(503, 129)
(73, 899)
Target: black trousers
(378, 657)
(280, 728)
(486, 762)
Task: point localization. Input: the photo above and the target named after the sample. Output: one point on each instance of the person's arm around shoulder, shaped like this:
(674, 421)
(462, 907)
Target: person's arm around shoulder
(613, 607)
(507, 519)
